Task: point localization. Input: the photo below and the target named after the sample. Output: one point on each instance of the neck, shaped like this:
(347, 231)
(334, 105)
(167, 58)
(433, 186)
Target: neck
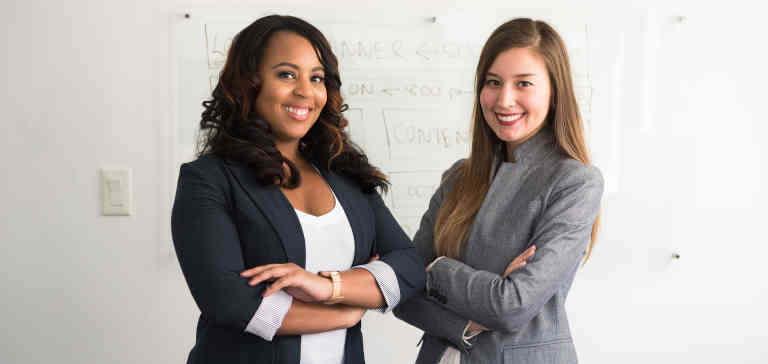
(512, 146)
(289, 150)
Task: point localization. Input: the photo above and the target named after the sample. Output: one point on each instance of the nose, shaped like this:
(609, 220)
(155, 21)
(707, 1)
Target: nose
(303, 88)
(507, 96)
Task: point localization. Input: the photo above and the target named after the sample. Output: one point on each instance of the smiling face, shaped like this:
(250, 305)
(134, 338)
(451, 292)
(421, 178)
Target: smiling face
(292, 93)
(516, 95)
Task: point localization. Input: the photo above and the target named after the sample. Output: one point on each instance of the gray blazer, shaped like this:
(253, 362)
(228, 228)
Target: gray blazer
(546, 199)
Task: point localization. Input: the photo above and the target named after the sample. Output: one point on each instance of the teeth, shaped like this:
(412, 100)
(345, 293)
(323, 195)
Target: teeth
(511, 118)
(297, 111)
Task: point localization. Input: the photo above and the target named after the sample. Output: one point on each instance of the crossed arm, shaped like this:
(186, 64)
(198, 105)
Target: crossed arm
(395, 271)
(209, 251)
(506, 302)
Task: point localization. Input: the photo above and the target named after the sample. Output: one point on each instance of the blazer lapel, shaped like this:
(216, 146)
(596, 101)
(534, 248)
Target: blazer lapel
(279, 212)
(351, 208)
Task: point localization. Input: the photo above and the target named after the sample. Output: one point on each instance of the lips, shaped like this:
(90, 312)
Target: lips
(509, 119)
(298, 112)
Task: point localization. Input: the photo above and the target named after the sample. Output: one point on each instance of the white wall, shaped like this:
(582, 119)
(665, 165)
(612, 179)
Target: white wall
(88, 87)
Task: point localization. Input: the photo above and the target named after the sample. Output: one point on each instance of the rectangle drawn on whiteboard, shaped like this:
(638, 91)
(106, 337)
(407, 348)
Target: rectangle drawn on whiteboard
(412, 190)
(584, 98)
(409, 196)
(355, 129)
(424, 137)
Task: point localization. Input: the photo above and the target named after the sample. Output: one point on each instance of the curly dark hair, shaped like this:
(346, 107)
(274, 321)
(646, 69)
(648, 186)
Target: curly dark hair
(232, 129)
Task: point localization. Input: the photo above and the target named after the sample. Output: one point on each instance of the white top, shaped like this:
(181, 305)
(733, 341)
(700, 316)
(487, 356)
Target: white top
(329, 246)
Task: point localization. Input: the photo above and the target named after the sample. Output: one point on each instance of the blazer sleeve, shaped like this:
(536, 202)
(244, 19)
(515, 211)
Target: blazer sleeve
(208, 247)
(561, 235)
(396, 249)
(429, 316)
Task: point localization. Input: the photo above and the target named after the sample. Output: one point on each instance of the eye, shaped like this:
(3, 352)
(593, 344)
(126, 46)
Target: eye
(318, 78)
(524, 84)
(286, 75)
(492, 82)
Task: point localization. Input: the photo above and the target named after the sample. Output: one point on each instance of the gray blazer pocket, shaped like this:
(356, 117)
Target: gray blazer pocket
(559, 351)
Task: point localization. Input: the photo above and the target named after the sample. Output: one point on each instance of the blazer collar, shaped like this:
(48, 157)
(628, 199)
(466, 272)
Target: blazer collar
(278, 211)
(530, 152)
(536, 147)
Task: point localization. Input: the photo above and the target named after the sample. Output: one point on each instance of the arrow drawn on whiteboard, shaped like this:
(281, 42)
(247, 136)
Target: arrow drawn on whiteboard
(421, 51)
(454, 92)
(396, 46)
(390, 91)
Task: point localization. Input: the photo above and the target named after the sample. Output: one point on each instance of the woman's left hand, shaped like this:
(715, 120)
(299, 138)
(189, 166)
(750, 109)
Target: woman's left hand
(292, 279)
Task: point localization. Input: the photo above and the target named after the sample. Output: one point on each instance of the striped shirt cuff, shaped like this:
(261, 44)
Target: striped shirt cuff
(387, 280)
(270, 315)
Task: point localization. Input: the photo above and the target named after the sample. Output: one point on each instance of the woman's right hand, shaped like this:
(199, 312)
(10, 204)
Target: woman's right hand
(291, 278)
(520, 261)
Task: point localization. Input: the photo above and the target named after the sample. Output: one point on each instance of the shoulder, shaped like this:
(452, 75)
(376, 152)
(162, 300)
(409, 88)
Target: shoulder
(347, 185)
(568, 174)
(204, 179)
(205, 162)
(570, 170)
(454, 168)
(208, 167)
(450, 174)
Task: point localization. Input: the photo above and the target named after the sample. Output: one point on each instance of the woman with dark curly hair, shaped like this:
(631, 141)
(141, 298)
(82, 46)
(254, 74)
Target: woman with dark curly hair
(280, 233)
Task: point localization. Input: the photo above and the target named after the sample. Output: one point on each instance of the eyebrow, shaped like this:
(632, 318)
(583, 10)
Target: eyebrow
(515, 76)
(291, 65)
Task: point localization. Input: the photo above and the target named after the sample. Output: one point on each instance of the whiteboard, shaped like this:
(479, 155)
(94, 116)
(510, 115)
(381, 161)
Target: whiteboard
(409, 87)
(408, 81)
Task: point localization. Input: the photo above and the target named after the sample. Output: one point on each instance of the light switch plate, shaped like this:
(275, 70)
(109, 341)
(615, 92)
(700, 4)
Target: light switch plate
(116, 192)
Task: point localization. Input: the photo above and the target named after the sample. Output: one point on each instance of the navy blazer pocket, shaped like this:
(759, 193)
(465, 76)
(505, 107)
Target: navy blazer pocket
(553, 352)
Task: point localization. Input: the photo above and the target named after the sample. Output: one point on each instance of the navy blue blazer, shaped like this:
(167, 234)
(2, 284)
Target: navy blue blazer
(225, 221)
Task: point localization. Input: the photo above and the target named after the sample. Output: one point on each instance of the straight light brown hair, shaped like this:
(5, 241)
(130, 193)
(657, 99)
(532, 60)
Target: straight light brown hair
(473, 178)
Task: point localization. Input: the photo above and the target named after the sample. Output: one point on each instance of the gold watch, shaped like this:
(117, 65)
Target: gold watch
(337, 295)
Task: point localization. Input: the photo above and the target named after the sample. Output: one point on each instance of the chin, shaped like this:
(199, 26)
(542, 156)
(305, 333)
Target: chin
(508, 138)
(290, 135)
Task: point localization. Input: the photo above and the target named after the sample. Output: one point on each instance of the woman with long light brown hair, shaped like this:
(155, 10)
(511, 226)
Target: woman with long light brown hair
(527, 184)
